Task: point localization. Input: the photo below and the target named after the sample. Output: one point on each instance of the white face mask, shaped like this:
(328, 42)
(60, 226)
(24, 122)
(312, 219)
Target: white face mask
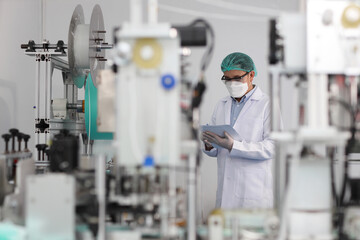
(236, 89)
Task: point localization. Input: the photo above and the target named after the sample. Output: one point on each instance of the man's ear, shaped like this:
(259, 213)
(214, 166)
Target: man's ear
(252, 75)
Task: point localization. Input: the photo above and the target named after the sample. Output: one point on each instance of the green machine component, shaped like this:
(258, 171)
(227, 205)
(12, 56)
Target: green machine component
(79, 81)
(91, 113)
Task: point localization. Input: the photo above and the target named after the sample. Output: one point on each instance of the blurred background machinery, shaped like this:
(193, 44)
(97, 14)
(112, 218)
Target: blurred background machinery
(121, 160)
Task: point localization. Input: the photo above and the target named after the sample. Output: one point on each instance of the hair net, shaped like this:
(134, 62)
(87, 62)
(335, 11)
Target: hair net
(238, 61)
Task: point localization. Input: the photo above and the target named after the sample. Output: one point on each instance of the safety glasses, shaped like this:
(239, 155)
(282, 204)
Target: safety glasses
(236, 79)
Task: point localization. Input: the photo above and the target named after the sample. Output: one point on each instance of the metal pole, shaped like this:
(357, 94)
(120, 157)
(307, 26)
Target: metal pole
(100, 186)
(153, 11)
(278, 176)
(43, 20)
(275, 98)
(136, 12)
(191, 222)
(47, 100)
(37, 104)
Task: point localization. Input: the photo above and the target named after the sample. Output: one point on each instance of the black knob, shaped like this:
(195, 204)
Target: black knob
(38, 146)
(41, 148)
(6, 137)
(26, 137)
(13, 131)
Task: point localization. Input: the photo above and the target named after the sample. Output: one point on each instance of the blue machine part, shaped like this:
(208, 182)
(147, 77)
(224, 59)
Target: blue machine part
(149, 161)
(168, 81)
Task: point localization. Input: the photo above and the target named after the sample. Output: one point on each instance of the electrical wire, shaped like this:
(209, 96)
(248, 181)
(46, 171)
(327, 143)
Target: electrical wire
(353, 113)
(209, 53)
(332, 174)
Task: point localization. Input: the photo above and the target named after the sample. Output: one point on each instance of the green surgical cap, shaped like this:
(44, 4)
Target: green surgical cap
(238, 61)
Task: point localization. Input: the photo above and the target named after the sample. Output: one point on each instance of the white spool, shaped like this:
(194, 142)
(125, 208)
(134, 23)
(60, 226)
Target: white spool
(81, 46)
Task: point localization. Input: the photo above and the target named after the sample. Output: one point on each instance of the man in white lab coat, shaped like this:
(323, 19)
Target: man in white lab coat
(244, 165)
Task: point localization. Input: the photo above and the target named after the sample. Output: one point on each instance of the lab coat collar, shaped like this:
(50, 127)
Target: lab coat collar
(256, 96)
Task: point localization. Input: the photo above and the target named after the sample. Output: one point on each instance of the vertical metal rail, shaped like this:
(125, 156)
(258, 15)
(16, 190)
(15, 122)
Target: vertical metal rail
(278, 177)
(37, 103)
(100, 186)
(50, 83)
(191, 221)
(43, 20)
(47, 100)
(275, 98)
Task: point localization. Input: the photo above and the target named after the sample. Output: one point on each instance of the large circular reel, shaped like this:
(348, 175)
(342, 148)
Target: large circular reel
(96, 37)
(86, 45)
(77, 62)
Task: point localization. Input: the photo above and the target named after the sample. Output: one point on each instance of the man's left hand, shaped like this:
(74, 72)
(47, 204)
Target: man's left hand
(226, 142)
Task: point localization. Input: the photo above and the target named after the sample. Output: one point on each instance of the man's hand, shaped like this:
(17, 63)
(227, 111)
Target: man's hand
(208, 145)
(225, 142)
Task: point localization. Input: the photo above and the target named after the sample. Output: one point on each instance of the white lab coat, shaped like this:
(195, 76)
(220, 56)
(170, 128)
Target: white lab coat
(245, 172)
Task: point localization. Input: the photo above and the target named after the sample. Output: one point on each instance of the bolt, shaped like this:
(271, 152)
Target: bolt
(6, 138)
(42, 149)
(38, 146)
(13, 132)
(20, 137)
(26, 139)
(47, 152)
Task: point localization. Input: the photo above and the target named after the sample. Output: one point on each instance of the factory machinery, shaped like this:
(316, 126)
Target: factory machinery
(317, 163)
(143, 114)
(114, 164)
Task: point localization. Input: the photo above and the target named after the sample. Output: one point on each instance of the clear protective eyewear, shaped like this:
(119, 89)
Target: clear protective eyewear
(236, 79)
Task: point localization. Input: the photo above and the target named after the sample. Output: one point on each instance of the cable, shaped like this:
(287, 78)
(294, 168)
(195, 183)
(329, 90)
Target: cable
(199, 89)
(332, 174)
(208, 54)
(346, 106)
(353, 130)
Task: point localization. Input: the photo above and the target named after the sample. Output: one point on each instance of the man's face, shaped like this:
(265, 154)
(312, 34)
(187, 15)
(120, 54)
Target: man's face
(240, 76)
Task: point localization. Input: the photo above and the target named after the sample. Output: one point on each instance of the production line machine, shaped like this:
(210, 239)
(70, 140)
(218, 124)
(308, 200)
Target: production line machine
(145, 108)
(85, 53)
(317, 163)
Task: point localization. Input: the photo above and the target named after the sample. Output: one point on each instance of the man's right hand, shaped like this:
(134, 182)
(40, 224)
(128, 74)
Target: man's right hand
(208, 145)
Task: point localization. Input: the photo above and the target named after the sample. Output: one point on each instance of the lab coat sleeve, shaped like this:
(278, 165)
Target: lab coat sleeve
(261, 150)
(214, 151)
